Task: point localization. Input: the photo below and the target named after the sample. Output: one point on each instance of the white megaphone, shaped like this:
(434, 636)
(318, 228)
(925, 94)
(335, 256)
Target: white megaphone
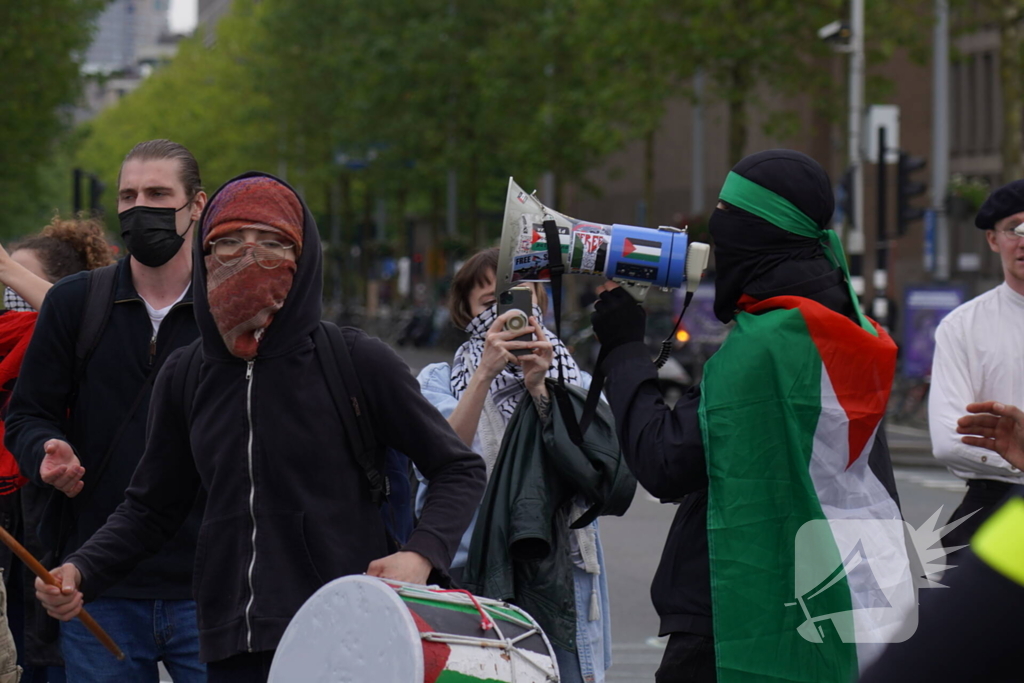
(636, 258)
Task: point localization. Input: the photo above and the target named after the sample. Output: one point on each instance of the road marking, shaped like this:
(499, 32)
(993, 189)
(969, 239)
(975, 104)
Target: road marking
(942, 481)
(632, 662)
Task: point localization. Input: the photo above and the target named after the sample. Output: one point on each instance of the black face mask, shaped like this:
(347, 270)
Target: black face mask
(748, 248)
(151, 235)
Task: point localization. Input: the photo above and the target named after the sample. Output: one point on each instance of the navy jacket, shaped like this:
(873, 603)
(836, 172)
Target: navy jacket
(41, 409)
(288, 508)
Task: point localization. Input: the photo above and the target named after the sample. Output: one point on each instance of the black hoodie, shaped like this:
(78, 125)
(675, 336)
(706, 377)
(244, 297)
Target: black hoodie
(288, 507)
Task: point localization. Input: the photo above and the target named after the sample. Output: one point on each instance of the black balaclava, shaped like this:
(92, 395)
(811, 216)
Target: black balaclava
(748, 248)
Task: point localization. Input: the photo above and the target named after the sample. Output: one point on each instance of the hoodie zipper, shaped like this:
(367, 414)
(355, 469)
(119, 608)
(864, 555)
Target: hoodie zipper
(252, 507)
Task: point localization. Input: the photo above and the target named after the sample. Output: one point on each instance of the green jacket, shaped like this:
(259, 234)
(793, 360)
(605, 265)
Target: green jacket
(520, 550)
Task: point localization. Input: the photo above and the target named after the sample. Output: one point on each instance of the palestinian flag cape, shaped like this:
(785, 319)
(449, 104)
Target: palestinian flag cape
(789, 411)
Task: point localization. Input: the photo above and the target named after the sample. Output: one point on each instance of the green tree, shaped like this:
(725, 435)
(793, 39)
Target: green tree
(204, 99)
(41, 43)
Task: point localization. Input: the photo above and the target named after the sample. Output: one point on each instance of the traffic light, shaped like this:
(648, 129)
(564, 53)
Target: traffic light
(95, 194)
(844, 199)
(908, 188)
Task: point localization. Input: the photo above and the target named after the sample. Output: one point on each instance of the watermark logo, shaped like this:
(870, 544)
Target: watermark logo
(868, 592)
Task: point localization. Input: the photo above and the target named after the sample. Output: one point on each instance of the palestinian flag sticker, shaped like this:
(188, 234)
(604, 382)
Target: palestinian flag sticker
(636, 249)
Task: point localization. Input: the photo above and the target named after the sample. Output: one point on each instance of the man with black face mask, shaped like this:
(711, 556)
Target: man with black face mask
(783, 431)
(77, 418)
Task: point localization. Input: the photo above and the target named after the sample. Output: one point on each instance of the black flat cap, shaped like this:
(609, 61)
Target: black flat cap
(1005, 201)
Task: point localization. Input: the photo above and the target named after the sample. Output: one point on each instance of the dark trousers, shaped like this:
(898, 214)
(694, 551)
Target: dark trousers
(244, 668)
(688, 658)
(983, 495)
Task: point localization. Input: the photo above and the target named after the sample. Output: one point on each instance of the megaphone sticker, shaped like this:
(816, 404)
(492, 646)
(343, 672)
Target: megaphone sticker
(590, 250)
(531, 257)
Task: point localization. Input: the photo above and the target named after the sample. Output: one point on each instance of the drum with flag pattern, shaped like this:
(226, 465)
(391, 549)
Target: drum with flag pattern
(358, 628)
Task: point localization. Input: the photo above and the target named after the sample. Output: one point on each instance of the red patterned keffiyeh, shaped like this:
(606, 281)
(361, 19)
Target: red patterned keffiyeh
(259, 202)
(15, 332)
(243, 295)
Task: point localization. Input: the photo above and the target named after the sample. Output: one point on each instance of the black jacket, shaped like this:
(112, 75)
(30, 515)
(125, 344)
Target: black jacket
(113, 378)
(520, 550)
(665, 450)
(288, 508)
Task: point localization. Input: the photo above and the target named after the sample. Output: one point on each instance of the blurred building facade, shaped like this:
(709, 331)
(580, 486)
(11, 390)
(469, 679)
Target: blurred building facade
(210, 12)
(132, 38)
(975, 126)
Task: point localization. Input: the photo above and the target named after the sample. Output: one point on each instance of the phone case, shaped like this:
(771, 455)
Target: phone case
(517, 298)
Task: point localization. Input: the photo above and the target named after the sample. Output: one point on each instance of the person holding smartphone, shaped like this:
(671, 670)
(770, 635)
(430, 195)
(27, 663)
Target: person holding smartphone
(479, 391)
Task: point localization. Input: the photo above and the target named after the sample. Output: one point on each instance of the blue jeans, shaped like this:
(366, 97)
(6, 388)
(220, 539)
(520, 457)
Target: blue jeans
(146, 631)
(593, 638)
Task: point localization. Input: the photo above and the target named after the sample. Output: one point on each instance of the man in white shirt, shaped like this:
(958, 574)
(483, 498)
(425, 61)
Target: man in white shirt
(979, 356)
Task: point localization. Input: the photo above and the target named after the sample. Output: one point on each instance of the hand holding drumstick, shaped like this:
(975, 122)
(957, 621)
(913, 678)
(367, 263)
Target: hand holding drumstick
(59, 594)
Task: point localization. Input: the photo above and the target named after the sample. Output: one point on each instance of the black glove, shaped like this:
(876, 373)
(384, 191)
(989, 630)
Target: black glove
(618, 319)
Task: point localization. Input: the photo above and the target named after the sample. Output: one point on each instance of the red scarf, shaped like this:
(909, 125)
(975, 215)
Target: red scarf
(15, 333)
(244, 298)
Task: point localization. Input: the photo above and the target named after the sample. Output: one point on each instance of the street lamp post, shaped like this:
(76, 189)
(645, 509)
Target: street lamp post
(855, 145)
(940, 139)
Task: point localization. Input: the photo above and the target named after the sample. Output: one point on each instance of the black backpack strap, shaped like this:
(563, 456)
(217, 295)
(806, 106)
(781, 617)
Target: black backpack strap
(186, 378)
(556, 266)
(99, 301)
(347, 394)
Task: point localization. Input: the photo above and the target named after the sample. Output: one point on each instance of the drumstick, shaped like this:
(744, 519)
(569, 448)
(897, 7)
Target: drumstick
(40, 571)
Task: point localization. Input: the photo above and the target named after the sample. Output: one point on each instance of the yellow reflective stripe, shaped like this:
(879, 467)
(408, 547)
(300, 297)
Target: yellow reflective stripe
(1000, 540)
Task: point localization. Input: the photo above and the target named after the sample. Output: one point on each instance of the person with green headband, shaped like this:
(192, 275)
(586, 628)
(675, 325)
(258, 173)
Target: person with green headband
(783, 432)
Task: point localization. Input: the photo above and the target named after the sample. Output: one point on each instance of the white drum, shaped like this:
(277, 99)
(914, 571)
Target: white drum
(359, 629)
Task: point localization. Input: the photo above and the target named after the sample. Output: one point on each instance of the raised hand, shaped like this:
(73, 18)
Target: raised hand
(498, 346)
(61, 468)
(537, 363)
(997, 427)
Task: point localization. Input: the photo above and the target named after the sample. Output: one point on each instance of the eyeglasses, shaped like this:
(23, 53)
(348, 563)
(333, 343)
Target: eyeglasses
(1013, 234)
(268, 254)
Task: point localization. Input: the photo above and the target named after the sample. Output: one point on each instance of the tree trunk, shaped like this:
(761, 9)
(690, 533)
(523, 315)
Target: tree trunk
(331, 249)
(649, 179)
(477, 232)
(438, 256)
(341, 254)
(738, 90)
(1010, 63)
(367, 233)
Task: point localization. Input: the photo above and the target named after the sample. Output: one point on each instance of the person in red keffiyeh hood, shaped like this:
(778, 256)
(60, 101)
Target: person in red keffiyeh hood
(62, 248)
(245, 292)
(288, 507)
(34, 264)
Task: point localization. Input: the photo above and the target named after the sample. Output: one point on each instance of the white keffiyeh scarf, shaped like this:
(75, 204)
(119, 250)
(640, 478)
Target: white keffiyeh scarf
(14, 302)
(509, 386)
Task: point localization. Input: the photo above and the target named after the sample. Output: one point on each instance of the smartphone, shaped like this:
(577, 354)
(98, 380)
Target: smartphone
(520, 299)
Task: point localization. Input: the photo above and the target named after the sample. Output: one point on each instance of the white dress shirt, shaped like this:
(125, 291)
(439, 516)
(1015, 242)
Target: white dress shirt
(979, 356)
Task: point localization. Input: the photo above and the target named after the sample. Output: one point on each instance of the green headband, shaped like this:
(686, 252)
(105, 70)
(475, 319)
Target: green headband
(780, 212)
